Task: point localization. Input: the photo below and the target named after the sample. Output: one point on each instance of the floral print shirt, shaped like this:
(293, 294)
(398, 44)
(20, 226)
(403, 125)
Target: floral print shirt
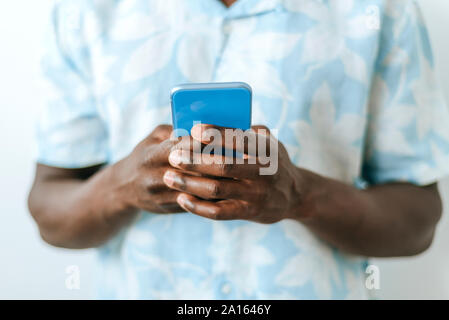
(348, 85)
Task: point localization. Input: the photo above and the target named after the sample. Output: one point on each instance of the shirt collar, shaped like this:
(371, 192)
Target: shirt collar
(241, 8)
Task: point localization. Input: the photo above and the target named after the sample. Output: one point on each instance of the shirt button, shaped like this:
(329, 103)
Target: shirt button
(226, 288)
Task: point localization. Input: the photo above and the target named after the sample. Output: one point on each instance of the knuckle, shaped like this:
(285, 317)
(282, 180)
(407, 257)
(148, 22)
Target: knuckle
(259, 190)
(161, 132)
(214, 189)
(216, 214)
(224, 169)
(180, 183)
(163, 128)
(151, 190)
(247, 209)
(161, 202)
(151, 186)
(188, 166)
(261, 128)
(158, 201)
(140, 151)
(148, 159)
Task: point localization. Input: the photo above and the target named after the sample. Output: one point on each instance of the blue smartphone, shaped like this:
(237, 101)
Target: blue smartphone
(226, 104)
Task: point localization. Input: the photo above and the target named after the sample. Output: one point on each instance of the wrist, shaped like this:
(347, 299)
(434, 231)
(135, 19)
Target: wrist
(102, 207)
(307, 188)
(117, 181)
(106, 194)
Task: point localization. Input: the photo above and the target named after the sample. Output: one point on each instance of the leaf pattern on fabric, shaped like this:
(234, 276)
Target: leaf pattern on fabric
(349, 102)
(333, 139)
(314, 262)
(242, 272)
(326, 41)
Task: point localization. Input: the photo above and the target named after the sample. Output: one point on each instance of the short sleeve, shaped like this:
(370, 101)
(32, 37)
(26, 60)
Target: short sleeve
(408, 121)
(70, 131)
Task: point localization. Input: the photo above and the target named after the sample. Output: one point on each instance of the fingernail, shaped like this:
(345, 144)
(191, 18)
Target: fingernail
(197, 132)
(181, 199)
(174, 179)
(169, 178)
(177, 157)
(184, 201)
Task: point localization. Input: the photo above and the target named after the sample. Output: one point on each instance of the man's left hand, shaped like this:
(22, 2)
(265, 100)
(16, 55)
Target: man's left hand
(220, 188)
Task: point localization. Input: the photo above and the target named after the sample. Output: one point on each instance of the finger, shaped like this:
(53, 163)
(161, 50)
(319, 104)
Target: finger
(187, 143)
(168, 199)
(261, 129)
(161, 132)
(214, 165)
(245, 142)
(207, 188)
(157, 154)
(166, 202)
(221, 210)
(190, 144)
(152, 183)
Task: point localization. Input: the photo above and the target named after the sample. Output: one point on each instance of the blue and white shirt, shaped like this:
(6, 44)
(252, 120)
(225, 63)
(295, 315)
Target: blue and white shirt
(348, 84)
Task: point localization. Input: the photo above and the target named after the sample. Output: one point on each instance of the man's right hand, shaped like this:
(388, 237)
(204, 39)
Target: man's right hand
(138, 177)
(83, 208)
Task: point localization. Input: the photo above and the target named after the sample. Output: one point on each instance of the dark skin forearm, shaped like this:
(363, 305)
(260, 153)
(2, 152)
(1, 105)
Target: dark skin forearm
(396, 219)
(83, 208)
(74, 208)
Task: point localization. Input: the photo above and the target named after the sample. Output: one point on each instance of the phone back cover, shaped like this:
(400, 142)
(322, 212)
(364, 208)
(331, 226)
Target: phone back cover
(225, 107)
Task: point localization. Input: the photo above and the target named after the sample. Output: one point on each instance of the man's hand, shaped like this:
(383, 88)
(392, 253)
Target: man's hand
(138, 178)
(395, 219)
(229, 190)
(81, 208)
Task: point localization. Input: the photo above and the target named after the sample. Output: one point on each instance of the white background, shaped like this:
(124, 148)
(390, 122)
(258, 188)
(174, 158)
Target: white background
(30, 269)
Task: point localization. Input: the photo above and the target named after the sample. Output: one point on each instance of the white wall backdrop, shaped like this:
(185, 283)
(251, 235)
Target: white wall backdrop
(30, 269)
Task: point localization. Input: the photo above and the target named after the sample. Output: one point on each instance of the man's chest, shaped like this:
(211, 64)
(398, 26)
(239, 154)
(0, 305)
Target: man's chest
(298, 64)
(275, 51)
